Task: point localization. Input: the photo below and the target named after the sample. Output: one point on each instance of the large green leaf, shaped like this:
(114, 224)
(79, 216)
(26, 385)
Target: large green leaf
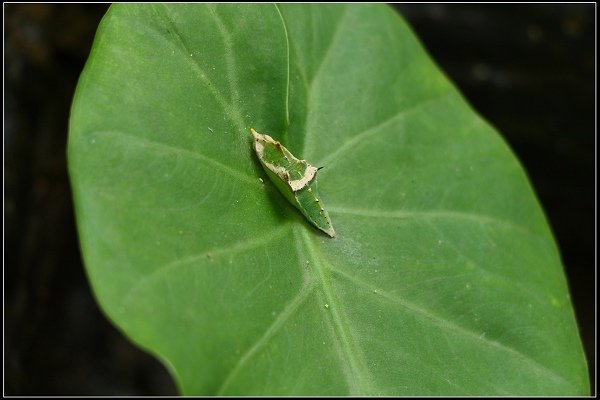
(443, 278)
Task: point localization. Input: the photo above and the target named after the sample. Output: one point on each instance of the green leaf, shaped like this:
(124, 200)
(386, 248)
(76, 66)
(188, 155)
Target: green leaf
(444, 278)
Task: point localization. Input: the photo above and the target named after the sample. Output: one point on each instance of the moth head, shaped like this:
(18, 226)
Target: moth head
(255, 134)
(257, 140)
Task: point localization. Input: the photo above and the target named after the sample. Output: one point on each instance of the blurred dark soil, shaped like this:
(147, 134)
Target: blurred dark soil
(529, 69)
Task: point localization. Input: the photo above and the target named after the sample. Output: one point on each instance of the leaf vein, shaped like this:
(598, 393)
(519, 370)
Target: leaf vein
(269, 333)
(365, 134)
(178, 150)
(512, 282)
(235, 117)
(287, 88)
(445, 324)
(230, 249)
(325, 59)
(311, 91)
(358, 380)
(229, 55)
(447, 214)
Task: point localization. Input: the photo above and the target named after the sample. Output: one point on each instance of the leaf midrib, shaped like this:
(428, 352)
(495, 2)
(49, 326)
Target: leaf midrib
(357, 375)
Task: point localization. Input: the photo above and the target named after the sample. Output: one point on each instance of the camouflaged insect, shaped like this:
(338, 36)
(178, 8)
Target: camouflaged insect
(295, 178)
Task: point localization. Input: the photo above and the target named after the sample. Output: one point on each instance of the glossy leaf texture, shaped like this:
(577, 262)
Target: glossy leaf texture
(444, 278)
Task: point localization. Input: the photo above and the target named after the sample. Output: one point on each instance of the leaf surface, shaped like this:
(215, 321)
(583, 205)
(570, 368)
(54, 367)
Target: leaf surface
(444, 278)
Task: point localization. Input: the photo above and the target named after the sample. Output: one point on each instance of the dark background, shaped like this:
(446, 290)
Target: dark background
(529, 69)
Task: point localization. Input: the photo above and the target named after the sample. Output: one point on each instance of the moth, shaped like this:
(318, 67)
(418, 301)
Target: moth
(296, 179)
